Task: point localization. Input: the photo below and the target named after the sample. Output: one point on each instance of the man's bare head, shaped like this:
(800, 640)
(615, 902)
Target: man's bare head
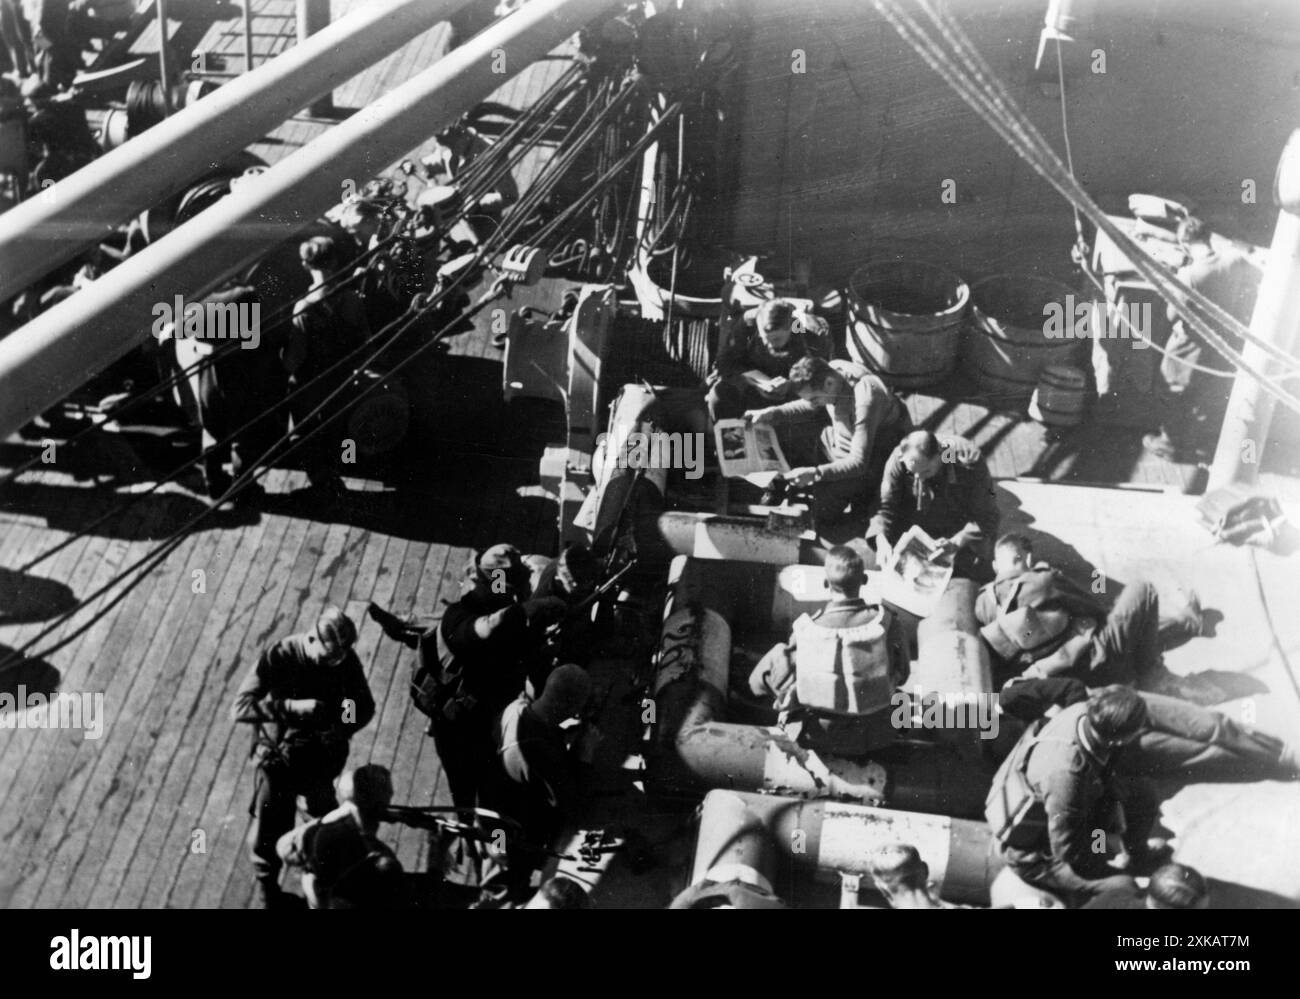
(922, 454)
(898, 867)
(845, 572)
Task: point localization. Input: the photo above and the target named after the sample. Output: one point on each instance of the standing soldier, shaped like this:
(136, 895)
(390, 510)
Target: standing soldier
(328, 326)
(473, 663)
(306, 697)
(1191, 401)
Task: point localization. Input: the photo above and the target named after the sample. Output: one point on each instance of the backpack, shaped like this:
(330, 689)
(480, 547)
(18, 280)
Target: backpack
(1237, 518)
(437, 681)
(1015, 813)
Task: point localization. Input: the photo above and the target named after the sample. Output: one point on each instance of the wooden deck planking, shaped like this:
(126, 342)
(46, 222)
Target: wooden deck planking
(232, 789)
(180, 673)
(372, 644)
(57, 758)
(135, 849)
(14, 752)
(82, 565)
(143, 813)
(208, 746)
(96, 791)
(332, 561)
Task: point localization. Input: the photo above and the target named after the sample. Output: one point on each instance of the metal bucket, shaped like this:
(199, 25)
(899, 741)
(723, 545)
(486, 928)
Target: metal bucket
(905, 321)
(1009, 347)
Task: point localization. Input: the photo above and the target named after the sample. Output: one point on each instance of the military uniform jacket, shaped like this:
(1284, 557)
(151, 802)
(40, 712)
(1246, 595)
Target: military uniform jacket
(1074, 791)
(960, 493)
(284, 673)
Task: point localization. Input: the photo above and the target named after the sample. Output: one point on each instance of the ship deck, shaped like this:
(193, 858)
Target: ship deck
(154, 813)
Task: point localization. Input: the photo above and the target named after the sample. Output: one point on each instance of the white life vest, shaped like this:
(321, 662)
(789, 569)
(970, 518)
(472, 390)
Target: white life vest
(843, 670)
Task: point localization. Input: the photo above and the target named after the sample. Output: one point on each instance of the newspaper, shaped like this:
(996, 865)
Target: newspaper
(915, 576)
(746, 449)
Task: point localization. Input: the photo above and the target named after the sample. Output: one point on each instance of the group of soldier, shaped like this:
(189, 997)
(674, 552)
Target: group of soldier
(501, 672)
(505, 705)
(1077, 674)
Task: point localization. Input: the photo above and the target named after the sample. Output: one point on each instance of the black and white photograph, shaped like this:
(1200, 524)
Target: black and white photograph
(314, 315)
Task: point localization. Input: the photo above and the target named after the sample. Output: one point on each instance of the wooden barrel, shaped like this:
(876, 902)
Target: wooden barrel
(1061, 396)
(694, 295)
(1008, 345)
(378, 422)
(905, 321)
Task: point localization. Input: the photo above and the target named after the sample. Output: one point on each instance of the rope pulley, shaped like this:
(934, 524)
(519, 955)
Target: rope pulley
(523, 264)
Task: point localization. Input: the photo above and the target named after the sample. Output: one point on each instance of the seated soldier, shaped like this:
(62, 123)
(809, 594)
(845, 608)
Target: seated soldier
(835, 678)
(344, 864)
(1038, 623)
(1063, 820)
(943, 487)
(864, 421)
(780, 339)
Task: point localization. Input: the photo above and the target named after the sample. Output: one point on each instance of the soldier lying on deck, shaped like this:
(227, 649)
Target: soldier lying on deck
(1038, 623)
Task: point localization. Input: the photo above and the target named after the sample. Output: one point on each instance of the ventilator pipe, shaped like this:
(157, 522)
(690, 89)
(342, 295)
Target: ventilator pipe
(43, 361)
(732, 837)
(736, 539)
(832, 838)
(618, 467)
(695, 746)
(953, 663)
(39, 235)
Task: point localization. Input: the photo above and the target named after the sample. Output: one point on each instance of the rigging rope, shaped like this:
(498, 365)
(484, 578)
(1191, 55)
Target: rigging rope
(979, 87)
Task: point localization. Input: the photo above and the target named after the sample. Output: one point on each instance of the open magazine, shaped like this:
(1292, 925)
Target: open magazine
(747, 448)
(915, 577)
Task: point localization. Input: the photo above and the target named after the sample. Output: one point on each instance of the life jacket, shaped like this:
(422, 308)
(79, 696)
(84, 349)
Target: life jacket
(1036, 627)
(843, 671)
